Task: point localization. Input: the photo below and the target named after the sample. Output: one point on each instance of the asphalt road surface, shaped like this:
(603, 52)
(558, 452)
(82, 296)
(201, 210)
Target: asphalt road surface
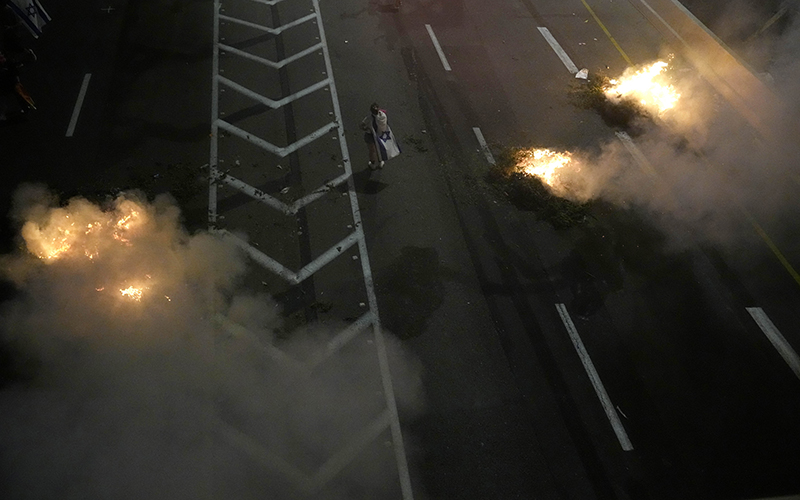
(648, 351)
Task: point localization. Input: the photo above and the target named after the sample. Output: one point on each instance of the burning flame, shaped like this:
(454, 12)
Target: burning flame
(132, 292)
(81, 230)
(644, 87)
(126, 221)
(543, 163)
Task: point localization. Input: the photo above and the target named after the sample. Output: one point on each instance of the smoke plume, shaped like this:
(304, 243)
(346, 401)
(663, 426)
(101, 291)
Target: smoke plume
(707, 169)
(143, 370)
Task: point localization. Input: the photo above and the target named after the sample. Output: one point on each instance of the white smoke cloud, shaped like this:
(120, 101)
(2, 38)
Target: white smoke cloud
(714, 170)
(152, 398)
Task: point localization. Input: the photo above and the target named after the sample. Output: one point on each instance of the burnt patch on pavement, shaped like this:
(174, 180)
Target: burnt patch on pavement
(409, 291)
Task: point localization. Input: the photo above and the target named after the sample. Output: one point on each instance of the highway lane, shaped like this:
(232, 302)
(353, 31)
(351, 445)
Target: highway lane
(144, 108)
(476, 402)
(466, 430)
(38, 150)
(467, 281)
(774, 278)
(673, 324)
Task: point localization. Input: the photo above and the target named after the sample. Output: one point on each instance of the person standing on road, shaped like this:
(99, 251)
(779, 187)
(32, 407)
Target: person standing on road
(370, 124)
(378, 136)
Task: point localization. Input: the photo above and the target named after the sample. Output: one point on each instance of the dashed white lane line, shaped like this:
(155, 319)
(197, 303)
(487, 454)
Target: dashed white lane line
(611, 413)
(776, 338)
(558, 50)
(484, 147)
(76, 111)
(438, 48)
(637, 154)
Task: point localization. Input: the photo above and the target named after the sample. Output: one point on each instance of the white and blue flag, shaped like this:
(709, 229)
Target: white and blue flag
(32, 14)
(386, 142)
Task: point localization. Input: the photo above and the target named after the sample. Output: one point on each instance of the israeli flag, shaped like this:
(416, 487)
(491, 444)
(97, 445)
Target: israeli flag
(385, 141)
(388, 145)
(32, 14)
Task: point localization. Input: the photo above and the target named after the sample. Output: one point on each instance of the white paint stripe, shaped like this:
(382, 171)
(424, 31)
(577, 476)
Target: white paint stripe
(380, 343)
(330, 469)
(356, 238)
(702, 26)
(328, 255)
(282, 152)
(484, 147)
(266, 62)
(558, 50)
(267, 2)
(665, 23)
(342, 338)
(776, 338)
(259, 452)
(284, 272)
(438, 48)
(318, 193)
(710, 33)
(76, 111)
(271, 31)
(213, 155)
(276, 355)
(254, 193)
(637, 154)
(266, 100)
(258, 256)
(616, 424)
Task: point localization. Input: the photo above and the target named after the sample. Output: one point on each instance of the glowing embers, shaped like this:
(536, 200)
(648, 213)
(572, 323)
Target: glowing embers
(57, 236)
(132, 293)
(647, 87)
(136, 290)
(546, 164)
(82, 229)
(112, 243)
(544, 181)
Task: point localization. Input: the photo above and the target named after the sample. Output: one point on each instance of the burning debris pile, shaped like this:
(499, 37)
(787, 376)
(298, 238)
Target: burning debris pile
(138, 367)
(94, 264)
(640, 93)
(646, 87)
(559, 185)
(542, 181)
(129, 248)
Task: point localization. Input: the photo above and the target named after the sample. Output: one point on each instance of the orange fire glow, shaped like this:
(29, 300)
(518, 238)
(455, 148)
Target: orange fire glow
(132, 292)
(544, 164)
(646, 86)
(81, 230)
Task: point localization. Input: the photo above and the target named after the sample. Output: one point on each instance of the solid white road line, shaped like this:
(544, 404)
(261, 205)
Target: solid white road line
(213, 169)
(776, 338)
(558, 50)
(690, 16)
(76, 111)
(380, 342)
(484, 147)
(616, 424)
(438, 48)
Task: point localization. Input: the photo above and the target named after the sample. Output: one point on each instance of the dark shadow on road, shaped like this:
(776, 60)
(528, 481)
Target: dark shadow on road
(365, 184)
(409, 291)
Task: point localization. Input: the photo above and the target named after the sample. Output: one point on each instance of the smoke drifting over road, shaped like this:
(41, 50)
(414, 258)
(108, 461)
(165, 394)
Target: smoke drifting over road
(151, 375)
(712, 164)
